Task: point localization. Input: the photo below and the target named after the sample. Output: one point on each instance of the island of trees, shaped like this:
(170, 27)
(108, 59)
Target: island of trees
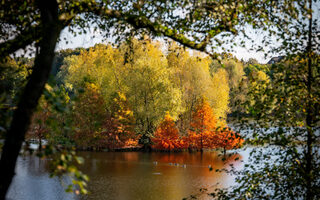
(136, 96)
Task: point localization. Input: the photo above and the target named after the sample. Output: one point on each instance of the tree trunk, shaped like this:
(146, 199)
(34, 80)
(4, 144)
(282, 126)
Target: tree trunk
(40, 144)
(309, 120)
(29, 99)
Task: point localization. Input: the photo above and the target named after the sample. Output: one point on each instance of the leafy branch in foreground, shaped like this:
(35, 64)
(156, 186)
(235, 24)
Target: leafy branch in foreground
(284, 116)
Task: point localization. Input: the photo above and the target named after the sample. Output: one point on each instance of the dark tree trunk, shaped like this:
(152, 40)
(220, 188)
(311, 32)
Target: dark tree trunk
(50, 32)
(40, 143)
(309, 117)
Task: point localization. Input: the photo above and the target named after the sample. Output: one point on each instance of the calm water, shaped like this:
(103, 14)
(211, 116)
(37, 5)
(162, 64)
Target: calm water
(127, 175)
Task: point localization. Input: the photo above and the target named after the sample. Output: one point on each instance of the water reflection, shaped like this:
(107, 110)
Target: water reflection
(132, 175)
(32, 182)
(127, 175)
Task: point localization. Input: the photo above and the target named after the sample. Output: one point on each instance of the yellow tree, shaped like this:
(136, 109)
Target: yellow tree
(101, 65)
(191, 74)
(235, 75)
(148, 87)
(219, 95)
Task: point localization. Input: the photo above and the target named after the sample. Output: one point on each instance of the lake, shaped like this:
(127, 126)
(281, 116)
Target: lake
(128, 175)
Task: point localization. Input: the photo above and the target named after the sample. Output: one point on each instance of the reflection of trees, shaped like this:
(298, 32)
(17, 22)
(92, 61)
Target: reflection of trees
(36, 166)
(131, 175)
(97, 163)
(196, 158)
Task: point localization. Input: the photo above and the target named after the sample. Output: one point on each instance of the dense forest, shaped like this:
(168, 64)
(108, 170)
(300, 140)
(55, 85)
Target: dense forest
(139, 94)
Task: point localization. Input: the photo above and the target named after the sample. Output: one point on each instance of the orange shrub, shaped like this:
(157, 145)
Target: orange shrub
(166, 136)
(228, 139)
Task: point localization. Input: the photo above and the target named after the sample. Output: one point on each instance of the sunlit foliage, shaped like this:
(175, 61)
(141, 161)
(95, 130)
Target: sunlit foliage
(166, 137)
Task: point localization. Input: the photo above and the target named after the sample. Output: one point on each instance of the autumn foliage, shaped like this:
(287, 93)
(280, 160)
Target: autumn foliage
(121, 94)
(228, 139)
(90, 114)
(111, 128)
(166, 136)
(203, 127)
(204, 133)
(118, 129)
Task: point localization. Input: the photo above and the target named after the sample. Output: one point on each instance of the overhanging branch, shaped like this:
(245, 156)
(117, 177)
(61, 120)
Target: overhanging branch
(142, 22)
(19, 42)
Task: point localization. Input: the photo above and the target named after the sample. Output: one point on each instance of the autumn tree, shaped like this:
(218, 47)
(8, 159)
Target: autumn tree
(235, 77)
(123, 121)
(148, 88)
(203, 127)
(191, 74)
(166, 136)
(284, 116)
(100, 65)
(38, 129)
(228, 139)
(90, 114)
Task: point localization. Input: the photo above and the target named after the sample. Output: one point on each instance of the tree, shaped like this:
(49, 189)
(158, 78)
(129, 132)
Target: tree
(203, 127)
(148, 87)
(13, 76)
(235, 77)
(38, 129)
(123, 121)
(101, 65)
(191, 74)
(166, 136)
(285, 113)
(90, 112)
(219, 95)
(228, 139)
(98, 127)
(28, 101)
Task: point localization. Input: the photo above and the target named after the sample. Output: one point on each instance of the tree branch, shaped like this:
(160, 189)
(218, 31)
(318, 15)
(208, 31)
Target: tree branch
(140, 22)
(19, 42)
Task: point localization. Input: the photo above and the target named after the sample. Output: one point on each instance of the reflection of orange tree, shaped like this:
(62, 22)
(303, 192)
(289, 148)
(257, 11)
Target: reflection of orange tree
(166, 136)
(180, 158)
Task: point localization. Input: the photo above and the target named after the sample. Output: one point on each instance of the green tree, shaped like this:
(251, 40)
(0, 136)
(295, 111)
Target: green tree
(12, 79)
(285, 112)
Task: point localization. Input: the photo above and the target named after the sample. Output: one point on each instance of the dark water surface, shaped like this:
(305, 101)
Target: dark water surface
(127, 175)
